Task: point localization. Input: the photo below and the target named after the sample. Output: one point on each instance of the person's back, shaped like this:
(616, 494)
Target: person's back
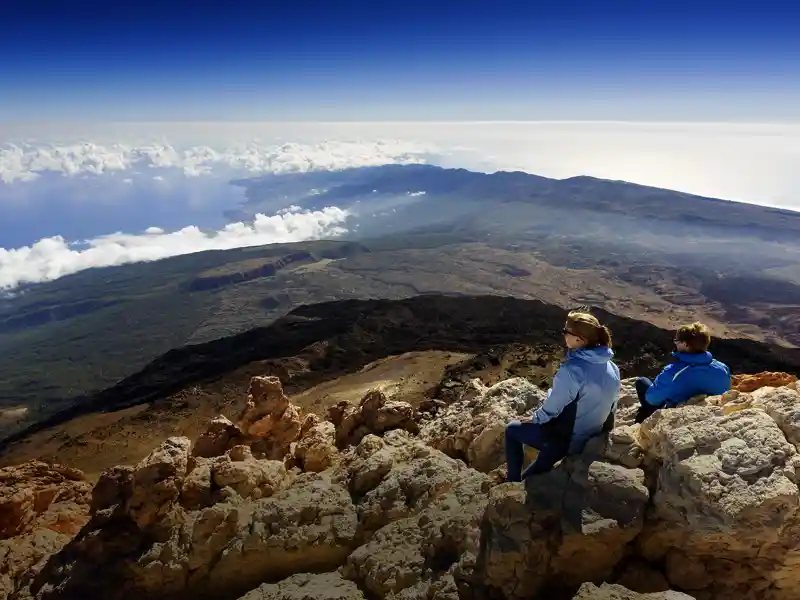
(695, 372)
(580, 403)
(691, 375)
(598, 390)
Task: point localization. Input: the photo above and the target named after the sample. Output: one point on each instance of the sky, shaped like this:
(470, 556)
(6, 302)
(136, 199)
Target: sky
(362, 61)
(122, 124)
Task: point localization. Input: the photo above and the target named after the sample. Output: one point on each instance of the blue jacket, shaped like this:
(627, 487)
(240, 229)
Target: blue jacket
(689, 375)
(585, 391)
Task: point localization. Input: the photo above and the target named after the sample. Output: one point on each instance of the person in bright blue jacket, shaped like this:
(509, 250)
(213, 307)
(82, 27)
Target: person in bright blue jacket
(694, 372)
(579, 405)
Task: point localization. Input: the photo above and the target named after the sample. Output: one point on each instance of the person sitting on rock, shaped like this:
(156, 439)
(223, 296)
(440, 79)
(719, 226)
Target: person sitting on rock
(579, 405)
(694, 372)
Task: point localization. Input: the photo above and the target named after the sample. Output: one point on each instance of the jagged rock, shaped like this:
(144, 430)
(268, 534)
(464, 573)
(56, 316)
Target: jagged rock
(562, 528)
(307, 586)
(375, 414)
(221, 435)
(247, 476)
(219, 551)
(316, 450)
(420, 512)
(157, 481)
(36, 494)
(473, 428)
(725, 508)
(752, 382)
(42, 507)
(589, 591)
(403, 517)
(783, 405)
(269, 418)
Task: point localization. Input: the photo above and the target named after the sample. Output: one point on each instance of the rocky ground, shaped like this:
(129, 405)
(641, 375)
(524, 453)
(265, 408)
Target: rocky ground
(384, 500)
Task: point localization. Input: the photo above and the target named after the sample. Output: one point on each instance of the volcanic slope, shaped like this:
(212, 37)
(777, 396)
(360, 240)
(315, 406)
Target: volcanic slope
(424, 349)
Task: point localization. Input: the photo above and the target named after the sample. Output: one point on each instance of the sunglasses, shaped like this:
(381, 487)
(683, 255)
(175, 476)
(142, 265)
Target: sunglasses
(568, 332)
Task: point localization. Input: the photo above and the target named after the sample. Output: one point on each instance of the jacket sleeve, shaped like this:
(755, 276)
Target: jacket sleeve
(564, 390)
(663, 386)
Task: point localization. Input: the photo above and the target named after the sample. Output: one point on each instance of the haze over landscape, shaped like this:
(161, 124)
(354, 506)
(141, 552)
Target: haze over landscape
(274, 278)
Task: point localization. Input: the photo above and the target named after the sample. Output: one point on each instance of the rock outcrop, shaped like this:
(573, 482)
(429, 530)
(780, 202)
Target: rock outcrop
(753, 382)
(41, 508)
(473, 427)
(589, 591)
(374, 414)
(720, 521)
(378, 503)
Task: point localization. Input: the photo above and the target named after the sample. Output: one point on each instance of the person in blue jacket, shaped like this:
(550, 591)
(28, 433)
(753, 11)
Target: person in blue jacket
(579, 405)
(694, 372)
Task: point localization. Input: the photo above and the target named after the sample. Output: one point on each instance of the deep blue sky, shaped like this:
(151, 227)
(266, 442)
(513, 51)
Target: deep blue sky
(314, 60)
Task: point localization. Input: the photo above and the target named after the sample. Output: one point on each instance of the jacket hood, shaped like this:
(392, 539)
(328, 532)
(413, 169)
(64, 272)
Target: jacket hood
(600, 354)
(701, 358)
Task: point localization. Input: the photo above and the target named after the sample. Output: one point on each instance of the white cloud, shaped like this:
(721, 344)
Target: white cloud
(748, 162)
(53, 257)
(21, 162)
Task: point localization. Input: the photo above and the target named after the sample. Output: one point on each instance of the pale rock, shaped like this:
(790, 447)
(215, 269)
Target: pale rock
(157, 481)
(247, 476)
(589, 591)
(783, 405)
(564, 527)
(375, 414)
(316, 449)
(271, 421)
(218, 551)
(220, 435)
(473, 428)
(724, 511)
(422, 520)
(307, 586)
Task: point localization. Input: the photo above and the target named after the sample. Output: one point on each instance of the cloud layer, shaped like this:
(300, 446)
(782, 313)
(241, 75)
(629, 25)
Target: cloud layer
(747, 162)
(54, 257)
(24, 161)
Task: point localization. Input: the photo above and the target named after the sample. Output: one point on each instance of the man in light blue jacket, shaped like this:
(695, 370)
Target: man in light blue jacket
(580, 404)
(694, 372)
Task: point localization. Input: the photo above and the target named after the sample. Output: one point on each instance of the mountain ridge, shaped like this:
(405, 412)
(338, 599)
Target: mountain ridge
(334, 338)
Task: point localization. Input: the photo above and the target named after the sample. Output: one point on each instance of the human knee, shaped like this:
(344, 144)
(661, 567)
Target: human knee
(512, 429)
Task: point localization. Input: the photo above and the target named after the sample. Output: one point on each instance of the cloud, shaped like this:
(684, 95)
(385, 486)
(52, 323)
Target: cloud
(172, 174)
(22, 162)
(54, 257)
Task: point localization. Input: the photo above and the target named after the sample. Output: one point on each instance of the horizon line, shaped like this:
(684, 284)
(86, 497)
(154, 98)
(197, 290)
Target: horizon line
(18, 122)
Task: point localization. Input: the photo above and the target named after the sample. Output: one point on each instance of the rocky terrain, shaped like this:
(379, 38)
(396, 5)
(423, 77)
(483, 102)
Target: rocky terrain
(383, 500)
(422, 350)
(648, 254)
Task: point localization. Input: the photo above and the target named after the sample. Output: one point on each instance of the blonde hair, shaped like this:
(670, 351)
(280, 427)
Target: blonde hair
(696, 336)
(589, 328)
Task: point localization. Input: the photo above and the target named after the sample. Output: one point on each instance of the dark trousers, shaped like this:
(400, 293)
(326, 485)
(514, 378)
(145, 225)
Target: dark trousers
(645, 410)
(520, 434)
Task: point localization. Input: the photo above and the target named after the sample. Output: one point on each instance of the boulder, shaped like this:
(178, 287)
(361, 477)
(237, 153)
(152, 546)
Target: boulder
(42, 507)
(473, 428)
(375, 414)
(751, 382)
(316, 449)
(725, 505)
(269, 419)
(562, 528)
(307, 586)
(589, 591)
(419, 513)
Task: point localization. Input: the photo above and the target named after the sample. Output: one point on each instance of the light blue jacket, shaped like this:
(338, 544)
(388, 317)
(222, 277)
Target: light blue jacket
(690, 375)
(585, 390)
